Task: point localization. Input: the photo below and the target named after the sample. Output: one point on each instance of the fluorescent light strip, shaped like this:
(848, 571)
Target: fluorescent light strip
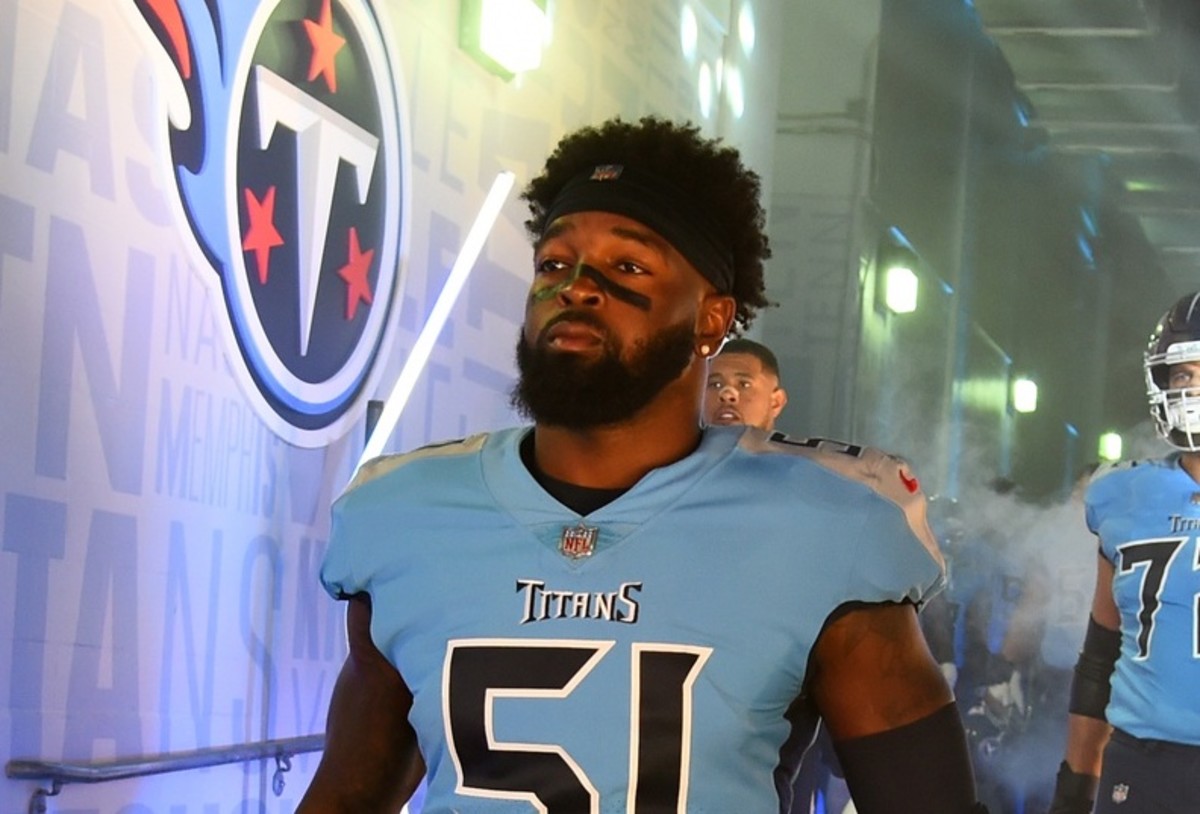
(416, 360)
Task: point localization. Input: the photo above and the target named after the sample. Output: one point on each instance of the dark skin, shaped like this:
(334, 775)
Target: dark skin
(636, 259)
(371, 761)
(871, 670)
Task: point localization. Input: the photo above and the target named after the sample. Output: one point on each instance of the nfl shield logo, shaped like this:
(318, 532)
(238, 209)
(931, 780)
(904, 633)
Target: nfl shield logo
(578, 541)
(1120, 793)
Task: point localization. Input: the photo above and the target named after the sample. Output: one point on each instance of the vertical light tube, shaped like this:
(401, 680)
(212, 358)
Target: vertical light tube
(423, 347)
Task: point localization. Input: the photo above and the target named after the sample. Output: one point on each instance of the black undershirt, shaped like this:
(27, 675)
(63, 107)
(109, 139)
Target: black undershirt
(582, 500)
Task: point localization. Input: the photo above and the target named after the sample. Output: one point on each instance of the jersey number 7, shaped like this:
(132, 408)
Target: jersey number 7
(1155, 558)
(479, 671)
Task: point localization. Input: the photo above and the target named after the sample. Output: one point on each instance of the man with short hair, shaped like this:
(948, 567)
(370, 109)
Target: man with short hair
(1133, 732)
(614, 609)
(743, 386)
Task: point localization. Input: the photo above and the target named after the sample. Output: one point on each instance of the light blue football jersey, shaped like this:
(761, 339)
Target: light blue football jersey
(649, 671)
(1147, 515)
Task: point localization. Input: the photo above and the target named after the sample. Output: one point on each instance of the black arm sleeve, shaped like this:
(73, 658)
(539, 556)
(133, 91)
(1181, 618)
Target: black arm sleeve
(913, 769)
(1090, 685)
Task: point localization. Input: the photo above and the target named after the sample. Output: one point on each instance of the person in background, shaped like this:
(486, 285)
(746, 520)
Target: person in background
(1041, 642)
(743, 386)
(966, 624)
(615, 608)
(1133, 731)
(941, 620)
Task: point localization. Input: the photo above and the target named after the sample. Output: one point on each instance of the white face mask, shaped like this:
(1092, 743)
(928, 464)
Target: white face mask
(1183, 410)
(1176, 410)
(1177, 414)
(1172, 368)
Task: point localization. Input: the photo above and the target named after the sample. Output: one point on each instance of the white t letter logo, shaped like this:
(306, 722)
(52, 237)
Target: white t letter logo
(324, 138)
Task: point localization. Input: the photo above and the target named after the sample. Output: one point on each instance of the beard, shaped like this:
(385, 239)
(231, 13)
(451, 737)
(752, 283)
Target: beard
(563, 390)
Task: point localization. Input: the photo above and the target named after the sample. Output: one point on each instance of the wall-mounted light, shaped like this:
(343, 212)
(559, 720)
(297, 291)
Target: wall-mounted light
(504, 36)
(900, 289)
(704, 85)
(1110, 446)
(1024, 395)
(689, 32)
(734, 91)
(896, 268)
(746, 29)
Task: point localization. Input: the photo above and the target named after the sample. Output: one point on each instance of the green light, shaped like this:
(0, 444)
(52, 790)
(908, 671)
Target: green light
(504, 36)
(1024, 395)
(1110, 446)
(900, 292)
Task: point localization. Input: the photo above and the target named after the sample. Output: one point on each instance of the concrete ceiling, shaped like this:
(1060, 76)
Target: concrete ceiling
(1119, 79)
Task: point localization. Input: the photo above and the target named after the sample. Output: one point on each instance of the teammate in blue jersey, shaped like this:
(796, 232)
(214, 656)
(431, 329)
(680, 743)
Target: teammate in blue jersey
(744, 389)
(1133, 733)
(614, 610)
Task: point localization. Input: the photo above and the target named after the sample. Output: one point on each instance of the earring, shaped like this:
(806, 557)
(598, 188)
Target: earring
(704, 350)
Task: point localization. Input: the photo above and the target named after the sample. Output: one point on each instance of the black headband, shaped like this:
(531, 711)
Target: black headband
(655, 203)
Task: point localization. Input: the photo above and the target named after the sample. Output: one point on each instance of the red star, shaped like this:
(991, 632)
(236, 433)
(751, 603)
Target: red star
(325, 44)
(262, 236)
(358, 264)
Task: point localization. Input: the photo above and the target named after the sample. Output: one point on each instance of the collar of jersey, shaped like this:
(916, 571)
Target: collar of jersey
(516, 491)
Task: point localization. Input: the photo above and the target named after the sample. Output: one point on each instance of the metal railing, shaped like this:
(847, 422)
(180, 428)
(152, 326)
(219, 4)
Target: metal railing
(60, 774)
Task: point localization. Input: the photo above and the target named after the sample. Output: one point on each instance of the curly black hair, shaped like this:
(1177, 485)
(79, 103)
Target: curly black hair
(710, 174)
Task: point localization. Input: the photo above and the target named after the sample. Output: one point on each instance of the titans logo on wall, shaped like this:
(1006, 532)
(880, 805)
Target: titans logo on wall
(289, 152)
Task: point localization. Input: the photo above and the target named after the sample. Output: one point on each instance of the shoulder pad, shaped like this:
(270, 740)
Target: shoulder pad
(1106, 469)
(889, 476)
(378, 467)
(1116, 467)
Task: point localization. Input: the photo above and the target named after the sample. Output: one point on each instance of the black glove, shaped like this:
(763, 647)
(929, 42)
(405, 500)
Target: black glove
(1072, 792)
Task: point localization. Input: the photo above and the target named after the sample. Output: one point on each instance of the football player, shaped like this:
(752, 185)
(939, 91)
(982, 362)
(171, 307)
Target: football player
(614, 609)
(1133, 732)
(743, 386)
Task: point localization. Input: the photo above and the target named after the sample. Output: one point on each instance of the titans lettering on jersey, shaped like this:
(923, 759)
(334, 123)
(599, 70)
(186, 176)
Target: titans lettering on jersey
(1147, 516)
(542, 603)
(674, 650)
(289, 153)
(1179, 523)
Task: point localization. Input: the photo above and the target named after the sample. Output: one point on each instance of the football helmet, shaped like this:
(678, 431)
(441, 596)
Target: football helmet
(1176, 339)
